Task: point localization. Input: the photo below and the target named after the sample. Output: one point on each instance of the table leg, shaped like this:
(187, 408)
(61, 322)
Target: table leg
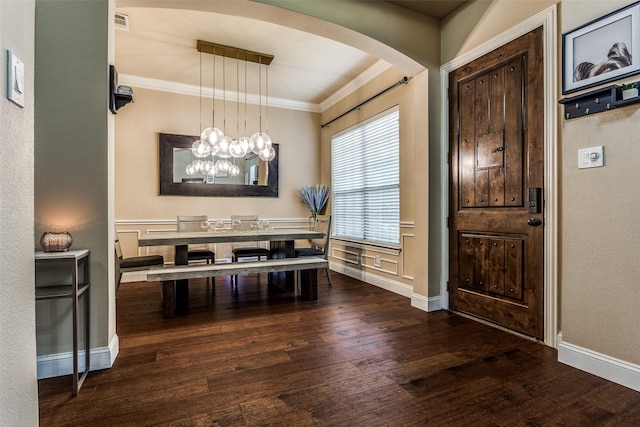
(168, 299)
(181, 286)
(309, 284)
(283, 281)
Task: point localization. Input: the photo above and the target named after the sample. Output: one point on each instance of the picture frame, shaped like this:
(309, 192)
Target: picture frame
(603, 50)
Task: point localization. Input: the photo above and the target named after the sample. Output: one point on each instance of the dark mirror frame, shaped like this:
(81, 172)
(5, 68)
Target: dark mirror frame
(167, 142)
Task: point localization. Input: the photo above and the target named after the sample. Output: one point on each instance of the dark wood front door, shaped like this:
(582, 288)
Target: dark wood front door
(497, 179)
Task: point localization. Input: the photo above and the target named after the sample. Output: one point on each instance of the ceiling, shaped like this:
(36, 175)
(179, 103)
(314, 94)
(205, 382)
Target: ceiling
(435, 8)
(159, 51)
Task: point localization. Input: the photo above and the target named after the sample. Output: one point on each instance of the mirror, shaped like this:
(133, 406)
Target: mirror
(257, 178)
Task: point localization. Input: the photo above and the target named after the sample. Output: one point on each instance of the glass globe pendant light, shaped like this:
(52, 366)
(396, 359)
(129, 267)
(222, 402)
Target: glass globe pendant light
(192, 168)
(221, 147)
(245, 141)
(236, 149)
(267, 154)
(200, 149)
(234, 170)
(216, 151)
(259, 139)
(212, 134)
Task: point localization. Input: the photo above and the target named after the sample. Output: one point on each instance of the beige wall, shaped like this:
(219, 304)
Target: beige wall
(482, 20)
(399, 266)
(597, 287)
(600, 231)
(18, 389)
(417, 37)
(137, 196)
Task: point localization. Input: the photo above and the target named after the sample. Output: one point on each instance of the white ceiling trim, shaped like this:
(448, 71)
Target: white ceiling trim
(363, 78)
(193, 90)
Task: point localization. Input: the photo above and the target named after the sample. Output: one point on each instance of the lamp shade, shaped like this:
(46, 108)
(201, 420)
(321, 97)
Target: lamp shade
(56, 241)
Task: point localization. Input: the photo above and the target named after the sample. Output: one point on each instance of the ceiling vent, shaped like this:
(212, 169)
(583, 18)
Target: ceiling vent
(121, 21)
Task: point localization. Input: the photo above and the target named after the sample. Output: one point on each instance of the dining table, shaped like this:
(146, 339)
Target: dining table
(281, 245)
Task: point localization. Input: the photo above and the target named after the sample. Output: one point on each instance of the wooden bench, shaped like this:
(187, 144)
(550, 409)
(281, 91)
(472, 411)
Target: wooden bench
(168, 275)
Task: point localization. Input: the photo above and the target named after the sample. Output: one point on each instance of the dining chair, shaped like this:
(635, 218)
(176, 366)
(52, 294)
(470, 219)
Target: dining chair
(318, 247)
(186, 223)
(246, 250)
(134, 263)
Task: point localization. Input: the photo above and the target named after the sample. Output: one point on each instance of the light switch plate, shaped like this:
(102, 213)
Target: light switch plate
(591, 157)
(15, 79)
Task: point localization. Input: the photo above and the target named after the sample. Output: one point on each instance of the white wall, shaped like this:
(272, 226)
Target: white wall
(18, 384)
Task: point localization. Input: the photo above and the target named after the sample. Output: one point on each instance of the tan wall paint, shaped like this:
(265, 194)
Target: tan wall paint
(598, 264)
(18, 389)
(482, 20)
(412, 99)
(418, 37)
(600, 231)
(137, 164)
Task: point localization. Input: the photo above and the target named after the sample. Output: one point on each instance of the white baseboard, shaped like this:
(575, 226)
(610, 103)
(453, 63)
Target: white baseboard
(418, 301)
(372, 279)
(426, 304)
(55, 365)
(601, 365)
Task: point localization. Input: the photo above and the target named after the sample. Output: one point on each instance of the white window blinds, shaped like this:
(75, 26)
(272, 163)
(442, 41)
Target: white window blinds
(365, 169)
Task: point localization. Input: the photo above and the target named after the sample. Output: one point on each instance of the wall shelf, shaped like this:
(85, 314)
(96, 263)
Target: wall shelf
(595, 101)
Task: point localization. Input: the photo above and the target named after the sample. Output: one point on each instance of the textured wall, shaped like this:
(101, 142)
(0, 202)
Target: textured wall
(18, 390)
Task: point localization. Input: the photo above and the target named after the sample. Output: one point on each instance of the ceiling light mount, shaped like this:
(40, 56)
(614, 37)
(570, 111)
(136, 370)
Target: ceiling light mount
(234, 52)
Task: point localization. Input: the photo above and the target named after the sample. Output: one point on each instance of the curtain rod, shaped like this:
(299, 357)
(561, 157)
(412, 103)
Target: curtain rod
(404, 81)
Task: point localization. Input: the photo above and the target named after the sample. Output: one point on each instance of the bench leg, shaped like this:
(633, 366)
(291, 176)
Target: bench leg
(283, 281)
(309, 284)
(182, 296)
(181, 299)
(168, 299)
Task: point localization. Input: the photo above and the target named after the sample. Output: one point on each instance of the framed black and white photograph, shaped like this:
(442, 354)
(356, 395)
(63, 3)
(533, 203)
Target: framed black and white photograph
(602, 50)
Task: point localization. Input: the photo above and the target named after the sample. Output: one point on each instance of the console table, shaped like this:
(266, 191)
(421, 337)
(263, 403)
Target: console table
(77, 263)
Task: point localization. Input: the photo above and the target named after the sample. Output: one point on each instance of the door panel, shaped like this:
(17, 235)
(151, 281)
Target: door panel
(496, 151)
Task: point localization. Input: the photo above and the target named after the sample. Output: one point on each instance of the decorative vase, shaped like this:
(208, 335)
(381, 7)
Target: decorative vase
(312, 221)
(56, 241)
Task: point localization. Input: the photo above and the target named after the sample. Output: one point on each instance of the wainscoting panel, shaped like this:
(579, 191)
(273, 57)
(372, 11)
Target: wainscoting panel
(348, 256)
(378, 263)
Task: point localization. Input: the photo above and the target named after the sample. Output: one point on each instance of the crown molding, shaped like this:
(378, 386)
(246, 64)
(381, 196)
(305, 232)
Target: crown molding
(362, 79)
(193, 90)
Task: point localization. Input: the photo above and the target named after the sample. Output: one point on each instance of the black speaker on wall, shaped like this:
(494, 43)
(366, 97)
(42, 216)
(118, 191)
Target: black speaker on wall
(119, 96)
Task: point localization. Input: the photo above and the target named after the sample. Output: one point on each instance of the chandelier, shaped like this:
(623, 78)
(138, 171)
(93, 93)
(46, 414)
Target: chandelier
(217, 151)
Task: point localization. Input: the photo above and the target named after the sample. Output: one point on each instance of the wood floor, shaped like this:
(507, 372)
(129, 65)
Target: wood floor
(359, 356)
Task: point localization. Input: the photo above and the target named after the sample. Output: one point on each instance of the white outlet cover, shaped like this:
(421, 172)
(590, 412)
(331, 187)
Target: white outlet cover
(15, 79)
(592, 157)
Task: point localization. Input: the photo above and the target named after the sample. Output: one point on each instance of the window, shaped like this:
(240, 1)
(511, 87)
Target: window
(365, 169)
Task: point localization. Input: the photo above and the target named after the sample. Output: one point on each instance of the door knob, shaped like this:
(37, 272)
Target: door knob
(534, 222)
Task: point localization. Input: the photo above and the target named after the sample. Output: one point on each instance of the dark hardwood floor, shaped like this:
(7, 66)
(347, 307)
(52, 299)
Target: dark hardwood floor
(359, 356)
